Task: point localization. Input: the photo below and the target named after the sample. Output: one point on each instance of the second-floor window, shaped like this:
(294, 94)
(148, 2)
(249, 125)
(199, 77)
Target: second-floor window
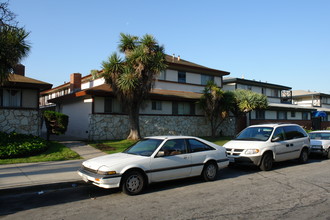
(162, 75)
(274, 93)
(181, 77)
(206, 78)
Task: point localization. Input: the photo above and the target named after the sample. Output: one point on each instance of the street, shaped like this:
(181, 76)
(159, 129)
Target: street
(289, 191)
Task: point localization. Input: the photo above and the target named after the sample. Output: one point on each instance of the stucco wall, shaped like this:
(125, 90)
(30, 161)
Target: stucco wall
(20, 121)
(106, 127)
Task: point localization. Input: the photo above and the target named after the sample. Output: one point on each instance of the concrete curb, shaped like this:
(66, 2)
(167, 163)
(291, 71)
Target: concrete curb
(41, 189)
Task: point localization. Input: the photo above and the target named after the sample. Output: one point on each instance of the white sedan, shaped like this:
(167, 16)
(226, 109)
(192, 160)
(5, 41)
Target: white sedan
(155, 159)
(320, 142)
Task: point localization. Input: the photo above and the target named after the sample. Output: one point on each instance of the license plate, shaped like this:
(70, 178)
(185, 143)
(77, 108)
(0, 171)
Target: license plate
(231, 160)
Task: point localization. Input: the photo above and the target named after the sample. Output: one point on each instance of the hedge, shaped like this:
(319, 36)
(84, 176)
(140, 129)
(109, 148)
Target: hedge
(16, 145)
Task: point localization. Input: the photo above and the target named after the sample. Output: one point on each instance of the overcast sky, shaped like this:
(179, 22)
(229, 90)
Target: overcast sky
(285, 42)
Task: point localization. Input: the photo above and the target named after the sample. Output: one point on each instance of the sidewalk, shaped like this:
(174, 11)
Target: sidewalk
(21, 176)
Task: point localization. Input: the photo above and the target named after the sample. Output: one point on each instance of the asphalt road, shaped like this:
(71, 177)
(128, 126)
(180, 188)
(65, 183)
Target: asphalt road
(289, 191)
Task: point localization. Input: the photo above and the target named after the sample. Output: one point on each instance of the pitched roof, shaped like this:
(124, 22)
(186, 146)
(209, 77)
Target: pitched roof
(227, 80)
(301, 93)
(106, 90)
(184, 65)
(16, 80)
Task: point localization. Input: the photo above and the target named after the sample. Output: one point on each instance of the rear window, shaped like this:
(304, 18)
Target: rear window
(294, 132)
(320, 136)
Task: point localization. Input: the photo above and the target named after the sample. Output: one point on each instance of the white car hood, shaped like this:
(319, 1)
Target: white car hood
(244, 144)
(111, 160)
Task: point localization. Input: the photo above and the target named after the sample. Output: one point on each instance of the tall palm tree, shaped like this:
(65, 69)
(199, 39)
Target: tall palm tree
(133, 77)
(13, 48)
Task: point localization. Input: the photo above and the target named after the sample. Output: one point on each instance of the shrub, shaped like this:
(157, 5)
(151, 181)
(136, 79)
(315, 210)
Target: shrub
(16, 145)
(56, 123)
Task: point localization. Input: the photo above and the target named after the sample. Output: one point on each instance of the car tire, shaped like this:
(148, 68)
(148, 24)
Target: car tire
(303, 158)
(328, 154)
(210, 171)
(133, 183)
(266, 162)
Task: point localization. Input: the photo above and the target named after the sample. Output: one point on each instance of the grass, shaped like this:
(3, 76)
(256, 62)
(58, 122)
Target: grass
(116, 146)
(55, 152)
(113, 146)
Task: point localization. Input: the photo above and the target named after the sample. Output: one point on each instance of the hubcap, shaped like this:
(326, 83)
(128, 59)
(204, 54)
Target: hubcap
(133, 183)
(210, 171)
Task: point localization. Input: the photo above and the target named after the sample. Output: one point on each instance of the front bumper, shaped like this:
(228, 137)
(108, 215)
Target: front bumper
(318, 150)
(246, 160)
(103, 181)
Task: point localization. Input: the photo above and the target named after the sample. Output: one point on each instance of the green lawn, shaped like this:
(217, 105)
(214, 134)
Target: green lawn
(55, 152)
(116, 146)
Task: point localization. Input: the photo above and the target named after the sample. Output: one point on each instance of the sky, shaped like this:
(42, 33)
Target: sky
(284, 42)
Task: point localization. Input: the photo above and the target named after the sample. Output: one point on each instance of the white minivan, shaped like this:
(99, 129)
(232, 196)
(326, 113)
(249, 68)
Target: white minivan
(264, 144)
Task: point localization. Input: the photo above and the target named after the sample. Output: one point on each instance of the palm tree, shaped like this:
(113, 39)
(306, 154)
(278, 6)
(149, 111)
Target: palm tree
(13, 44)
(246, 101)
(133, 77)
(216, 105)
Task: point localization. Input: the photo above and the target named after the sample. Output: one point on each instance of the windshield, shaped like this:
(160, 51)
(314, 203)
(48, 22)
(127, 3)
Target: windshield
(255, 134)
(144, 147)
(320, 136)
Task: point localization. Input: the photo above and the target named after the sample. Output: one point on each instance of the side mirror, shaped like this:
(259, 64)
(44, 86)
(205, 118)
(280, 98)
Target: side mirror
(160, 154)
(276, 139)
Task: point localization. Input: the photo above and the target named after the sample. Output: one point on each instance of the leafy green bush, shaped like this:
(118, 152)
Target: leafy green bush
(56, 123)
(16, 145)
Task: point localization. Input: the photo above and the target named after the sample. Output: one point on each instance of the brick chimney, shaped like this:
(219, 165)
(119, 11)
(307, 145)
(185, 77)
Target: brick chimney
(19, 69)
(75, 82)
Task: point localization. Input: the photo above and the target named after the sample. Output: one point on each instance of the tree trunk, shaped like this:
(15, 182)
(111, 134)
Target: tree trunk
(133, 116)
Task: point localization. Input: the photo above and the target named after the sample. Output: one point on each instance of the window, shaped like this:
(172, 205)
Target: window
(305, 116)
(173, 147)
(263, 91)
(197, 146)
(183, 108)
(279, 132)
(181, 77)
(260, 114)
(107, 105)
(11, 97)
(274, 93)
(162, 75)
(282, 115)
(293, 114)
(294, 132)
(206, 78)
(156, 105)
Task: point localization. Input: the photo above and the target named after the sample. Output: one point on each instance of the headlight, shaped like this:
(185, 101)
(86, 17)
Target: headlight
(106, 172)
(252, 151)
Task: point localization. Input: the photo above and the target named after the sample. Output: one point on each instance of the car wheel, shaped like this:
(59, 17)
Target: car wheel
(133, 183)
(266, 162)
(303, 158)
(210, 171)
(328, 155)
